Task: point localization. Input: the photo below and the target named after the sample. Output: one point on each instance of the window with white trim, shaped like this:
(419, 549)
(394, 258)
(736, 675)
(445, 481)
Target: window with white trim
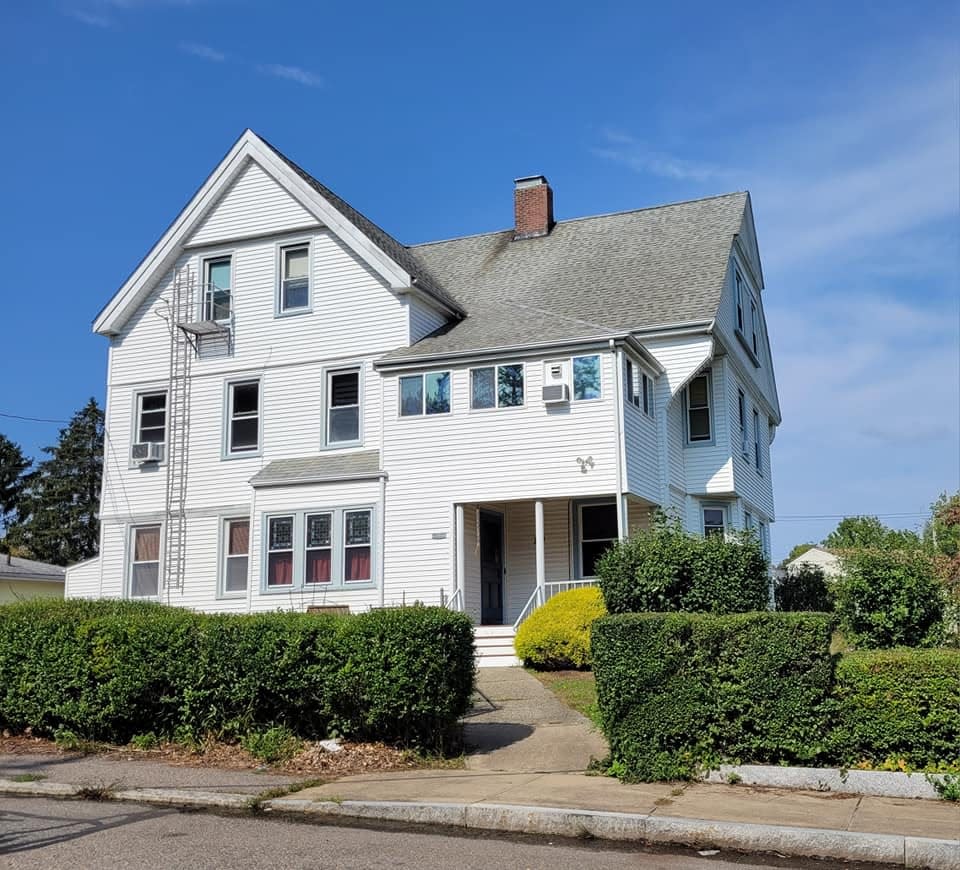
(586, 377)
(633, 393)
(243, 417)
(742, 420)
(738, 292)
(217, 295)
(145, 561)
(754, 329)
(699, 424)
(236, 556)
(498, 386)
(647, 387)
(319, 548)
(747, 520)
(152, 417)
(343, 407)
(756, 441)
(639, 388)
(425, 394)
(357, 551)
(280, 551)
(714, 520)
(294, 277)
(598, 529)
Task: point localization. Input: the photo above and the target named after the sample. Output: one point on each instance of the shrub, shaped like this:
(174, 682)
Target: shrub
(109, 670)
(804, 588)
(557, 635)
(275, 744)
(681, 691)
(665, 568)
(900, 704)
(887, 599)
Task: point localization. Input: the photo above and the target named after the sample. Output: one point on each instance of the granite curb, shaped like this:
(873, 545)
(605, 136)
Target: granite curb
(889, 849)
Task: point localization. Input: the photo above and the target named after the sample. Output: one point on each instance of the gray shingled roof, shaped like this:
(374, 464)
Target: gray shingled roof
(590, 277)
(27, 569)
(400, 254)
(319, 469)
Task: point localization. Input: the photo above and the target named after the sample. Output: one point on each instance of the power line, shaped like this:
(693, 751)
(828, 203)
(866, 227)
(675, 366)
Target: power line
(31, 419)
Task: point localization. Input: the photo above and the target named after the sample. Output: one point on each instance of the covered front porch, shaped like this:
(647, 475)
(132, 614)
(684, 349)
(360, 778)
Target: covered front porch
(511, 556)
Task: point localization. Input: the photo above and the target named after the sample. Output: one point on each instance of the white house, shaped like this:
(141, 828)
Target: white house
(817, 557)
(302, 411)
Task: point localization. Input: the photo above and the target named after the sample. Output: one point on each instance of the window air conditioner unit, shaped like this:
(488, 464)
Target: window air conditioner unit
(556, 382)
(148, 451)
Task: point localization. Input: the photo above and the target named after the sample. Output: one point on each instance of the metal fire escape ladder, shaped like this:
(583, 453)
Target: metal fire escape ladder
(178, 441)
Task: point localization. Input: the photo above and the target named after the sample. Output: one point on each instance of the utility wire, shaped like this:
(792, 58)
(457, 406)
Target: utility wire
(31, 419)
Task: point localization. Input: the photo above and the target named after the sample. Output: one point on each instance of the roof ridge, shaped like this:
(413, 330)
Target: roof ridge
(588, 217)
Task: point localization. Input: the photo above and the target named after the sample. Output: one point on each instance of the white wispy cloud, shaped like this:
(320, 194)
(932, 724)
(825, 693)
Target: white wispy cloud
(93, 19)
(198, 49)
(640, 157)
(102, 13)
(291, 73)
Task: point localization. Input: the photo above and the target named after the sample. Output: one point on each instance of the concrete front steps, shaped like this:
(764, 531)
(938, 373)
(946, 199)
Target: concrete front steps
(494, 646)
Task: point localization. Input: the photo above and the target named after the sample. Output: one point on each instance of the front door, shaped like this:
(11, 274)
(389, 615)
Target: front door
(491, 568)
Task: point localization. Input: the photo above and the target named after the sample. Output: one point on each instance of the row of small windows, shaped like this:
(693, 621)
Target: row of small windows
(748, 329)
(293, 294)
(303, 550)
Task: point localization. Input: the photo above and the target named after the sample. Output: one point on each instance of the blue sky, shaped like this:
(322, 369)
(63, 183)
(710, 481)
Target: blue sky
(841, 119)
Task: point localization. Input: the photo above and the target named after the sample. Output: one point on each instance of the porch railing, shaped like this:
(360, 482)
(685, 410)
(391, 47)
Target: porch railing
(455, 602)
(542, 594)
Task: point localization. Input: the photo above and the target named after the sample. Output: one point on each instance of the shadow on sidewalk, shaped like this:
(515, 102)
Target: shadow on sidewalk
(482, 737)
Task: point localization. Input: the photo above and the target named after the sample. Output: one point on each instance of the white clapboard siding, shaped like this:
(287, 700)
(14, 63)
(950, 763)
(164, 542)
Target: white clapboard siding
(755, 487)
(424, 319)
(83, 579)
(640, 441)
(253, 204)
(708, 466)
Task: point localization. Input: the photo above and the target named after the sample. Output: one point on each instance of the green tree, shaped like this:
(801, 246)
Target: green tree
(13, 465)
(941, 534)
(57, 514)
(862, 532)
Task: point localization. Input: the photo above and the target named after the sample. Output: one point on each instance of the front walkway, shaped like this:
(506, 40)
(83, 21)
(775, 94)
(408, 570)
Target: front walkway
(517, 724)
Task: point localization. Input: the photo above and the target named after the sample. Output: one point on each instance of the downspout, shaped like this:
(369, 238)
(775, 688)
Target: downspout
(621, 449)
(383, 489)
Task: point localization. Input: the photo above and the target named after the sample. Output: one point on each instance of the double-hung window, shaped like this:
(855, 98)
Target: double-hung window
(639, 388)
(698, 409)
(754, 329)
(343, 407)
(243, 417)
(647, 388)
(756, 441)
(294, 278)
(280, 551)
(356, 547)
(319, 548)
(738, 293)
(152, 418)
(216, 289)
(586, 377)
(742, 419)
(145, 562)
(496, 387)
(633, 392)
(598, 530)
(714, 521)
(425, 394)
(236, 555)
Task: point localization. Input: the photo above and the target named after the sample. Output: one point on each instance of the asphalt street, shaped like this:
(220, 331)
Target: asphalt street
(42, 833)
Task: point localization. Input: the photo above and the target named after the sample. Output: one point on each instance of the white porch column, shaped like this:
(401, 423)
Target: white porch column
(541, 558)
(461, 558)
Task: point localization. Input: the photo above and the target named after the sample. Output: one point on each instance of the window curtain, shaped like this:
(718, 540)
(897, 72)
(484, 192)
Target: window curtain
(146, 547)
(357, 565)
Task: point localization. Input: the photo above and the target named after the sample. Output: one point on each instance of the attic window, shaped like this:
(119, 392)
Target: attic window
(216, 289)
(295, 278)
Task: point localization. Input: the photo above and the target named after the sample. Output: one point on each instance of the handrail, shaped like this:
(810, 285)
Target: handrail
(456, 601)
(533, 602)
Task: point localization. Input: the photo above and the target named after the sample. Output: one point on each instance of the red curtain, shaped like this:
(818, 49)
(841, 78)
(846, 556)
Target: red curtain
(280, 572)
(357, 565)
(318, 566)
(239, 538)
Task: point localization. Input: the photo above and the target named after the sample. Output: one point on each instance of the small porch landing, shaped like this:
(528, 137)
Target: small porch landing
(493, 646)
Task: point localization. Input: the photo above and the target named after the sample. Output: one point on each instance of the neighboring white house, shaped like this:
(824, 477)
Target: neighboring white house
(817, 557)
(302, 411)
(25, 578)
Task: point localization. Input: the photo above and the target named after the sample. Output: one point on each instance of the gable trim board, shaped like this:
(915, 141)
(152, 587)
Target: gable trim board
(249, 147)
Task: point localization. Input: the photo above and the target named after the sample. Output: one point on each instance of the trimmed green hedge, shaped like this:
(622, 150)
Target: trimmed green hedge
(108, 670)
(665, 568)
(557, 634)
(803, 589)
(680, 691)
(898, 704)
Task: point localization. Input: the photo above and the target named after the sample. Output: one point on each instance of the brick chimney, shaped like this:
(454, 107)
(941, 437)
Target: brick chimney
(532, 207)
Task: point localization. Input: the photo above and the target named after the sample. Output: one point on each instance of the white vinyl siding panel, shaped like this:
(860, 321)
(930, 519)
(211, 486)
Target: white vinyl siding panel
(641, 449)
(423, 320)
(756, 488)
(254, 204)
